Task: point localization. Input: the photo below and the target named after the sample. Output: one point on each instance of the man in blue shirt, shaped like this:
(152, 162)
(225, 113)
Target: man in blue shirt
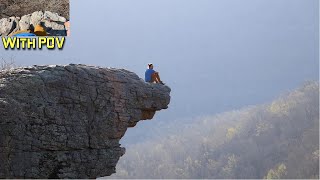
(152, 76)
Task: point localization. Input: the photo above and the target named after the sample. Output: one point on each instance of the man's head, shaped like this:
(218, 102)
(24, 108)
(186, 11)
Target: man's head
(150, 66)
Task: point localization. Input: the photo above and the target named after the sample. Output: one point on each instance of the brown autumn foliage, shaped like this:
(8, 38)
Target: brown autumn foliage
(19, 8)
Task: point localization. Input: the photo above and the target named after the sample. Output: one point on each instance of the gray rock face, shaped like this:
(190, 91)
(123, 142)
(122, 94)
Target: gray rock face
(8, 25)
(53, 16)
(53, 23)
(25, 22)
(36, 18)
(66, 121)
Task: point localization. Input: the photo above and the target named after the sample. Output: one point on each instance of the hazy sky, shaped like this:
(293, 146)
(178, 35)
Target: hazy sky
(216, 55)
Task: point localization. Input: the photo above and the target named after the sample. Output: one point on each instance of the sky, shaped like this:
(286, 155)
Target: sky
(216, 55)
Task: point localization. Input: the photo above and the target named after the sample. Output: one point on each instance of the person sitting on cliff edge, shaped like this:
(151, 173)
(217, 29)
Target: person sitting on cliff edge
(152, 76)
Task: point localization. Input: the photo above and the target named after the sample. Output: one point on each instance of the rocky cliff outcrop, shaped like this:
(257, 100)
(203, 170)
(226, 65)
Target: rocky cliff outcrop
(53, 23)
(66, 121)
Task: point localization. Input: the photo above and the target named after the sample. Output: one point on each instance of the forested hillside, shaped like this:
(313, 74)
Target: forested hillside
(275, 140)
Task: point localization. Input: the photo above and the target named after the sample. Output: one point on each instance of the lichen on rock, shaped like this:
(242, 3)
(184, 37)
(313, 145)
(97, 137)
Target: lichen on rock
(67, 121)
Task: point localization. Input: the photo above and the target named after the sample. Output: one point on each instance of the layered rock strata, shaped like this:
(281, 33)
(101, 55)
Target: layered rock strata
(66, 121)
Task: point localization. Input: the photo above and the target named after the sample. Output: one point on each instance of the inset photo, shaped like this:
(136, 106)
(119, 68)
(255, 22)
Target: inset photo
(34, 18)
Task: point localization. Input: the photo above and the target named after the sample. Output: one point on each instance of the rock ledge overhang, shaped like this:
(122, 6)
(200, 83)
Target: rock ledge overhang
(67, 121)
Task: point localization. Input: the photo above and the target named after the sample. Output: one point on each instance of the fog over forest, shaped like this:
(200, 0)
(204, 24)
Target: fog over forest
(273, 140)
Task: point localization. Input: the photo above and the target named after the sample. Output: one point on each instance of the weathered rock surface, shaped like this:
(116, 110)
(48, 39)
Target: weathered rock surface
(53, 23)
(10, 8)
(66, 121)
(8, 25)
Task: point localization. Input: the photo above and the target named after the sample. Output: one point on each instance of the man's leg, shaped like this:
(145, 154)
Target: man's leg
(154, 78)
(158, 77)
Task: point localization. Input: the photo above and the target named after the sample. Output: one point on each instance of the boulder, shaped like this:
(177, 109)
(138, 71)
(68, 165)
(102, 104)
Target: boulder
(36, 18)
(54, 16)
(25, 22)
(8, 25)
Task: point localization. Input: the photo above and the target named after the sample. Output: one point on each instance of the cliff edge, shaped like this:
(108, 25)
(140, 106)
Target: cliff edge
(67, 121)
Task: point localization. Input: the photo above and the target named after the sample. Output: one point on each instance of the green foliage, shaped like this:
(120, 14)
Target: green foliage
(277, 140)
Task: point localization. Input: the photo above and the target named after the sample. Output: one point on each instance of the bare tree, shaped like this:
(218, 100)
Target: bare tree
(7, 64)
